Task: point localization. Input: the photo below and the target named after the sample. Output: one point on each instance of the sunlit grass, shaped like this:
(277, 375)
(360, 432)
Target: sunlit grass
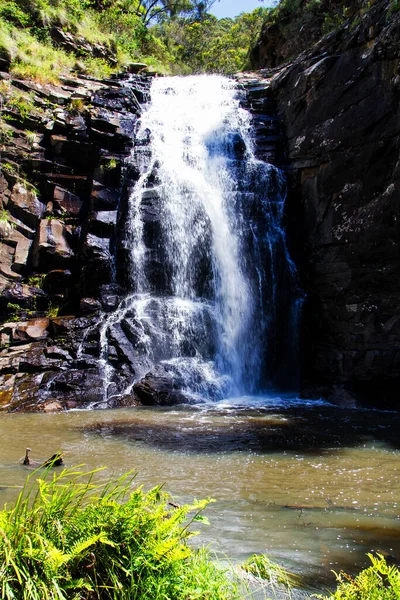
(38, 61)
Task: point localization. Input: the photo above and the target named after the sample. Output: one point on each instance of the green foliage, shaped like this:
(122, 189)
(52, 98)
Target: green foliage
(5, 132)
(21, 104)
(209, 45)
(77, 106)
(11, 12)
(378, 582)
(68, 537)
(394, 6)
(111, 164)
(36, 281)
(15, 312)
(52, 311)
(334, 20)
(262, 567)
(30, 136)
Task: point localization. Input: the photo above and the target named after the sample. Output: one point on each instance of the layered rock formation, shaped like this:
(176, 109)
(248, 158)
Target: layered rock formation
(339, 106)
(61, 183)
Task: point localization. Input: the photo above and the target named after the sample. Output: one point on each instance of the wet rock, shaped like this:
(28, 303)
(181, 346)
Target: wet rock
(89, 306)
(102, 223)
(159, 388)
(80, 386)
(71, 326)
(76, 167)
(66, 202)
(75, 153)
(111, 296)
(103, 198)
(51, 248)
(25, 393)
(98, 262)
(123, 346)
(338, 104)
(120, 100)
(25, 205)
(342, 397)
(108, 173)
(57, 353)
(57, 281)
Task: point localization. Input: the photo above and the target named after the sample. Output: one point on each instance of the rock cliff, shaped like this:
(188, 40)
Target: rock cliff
(330, 117)
(62, 177)
(338, 104)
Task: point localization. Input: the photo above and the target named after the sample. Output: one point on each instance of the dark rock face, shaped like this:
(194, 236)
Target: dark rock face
(339, 106)
(59, 201)
(159, 388)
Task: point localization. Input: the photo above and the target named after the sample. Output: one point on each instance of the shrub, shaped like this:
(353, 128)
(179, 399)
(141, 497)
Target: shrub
(68, 537)
(378, 582)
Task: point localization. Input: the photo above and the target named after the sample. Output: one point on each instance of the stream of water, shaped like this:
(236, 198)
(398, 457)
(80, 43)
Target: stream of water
(314, 486)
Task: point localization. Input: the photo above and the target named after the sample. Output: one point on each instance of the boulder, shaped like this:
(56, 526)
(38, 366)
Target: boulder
(159, 388)
(32, 330)
(136, 67)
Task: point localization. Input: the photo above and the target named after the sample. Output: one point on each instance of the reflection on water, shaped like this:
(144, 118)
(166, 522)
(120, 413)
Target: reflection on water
(313, 485)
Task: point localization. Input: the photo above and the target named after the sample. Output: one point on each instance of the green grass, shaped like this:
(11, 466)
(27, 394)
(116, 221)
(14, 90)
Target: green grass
(262, 567)
(26, 42)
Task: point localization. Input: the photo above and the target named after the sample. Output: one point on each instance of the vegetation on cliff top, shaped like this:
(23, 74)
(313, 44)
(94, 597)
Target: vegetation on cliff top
(42, 39)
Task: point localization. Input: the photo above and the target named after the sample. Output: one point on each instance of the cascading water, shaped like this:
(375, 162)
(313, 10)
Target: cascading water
(210, 275)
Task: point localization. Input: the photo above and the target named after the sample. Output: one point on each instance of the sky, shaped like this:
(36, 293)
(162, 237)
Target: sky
(232, 8)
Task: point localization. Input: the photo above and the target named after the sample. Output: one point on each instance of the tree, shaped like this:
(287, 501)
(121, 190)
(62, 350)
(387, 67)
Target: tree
(149, 10)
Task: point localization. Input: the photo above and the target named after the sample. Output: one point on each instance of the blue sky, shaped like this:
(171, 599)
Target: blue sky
(232, 8)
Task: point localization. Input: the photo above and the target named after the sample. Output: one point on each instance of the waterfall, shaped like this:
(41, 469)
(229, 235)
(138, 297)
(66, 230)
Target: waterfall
(211, 280)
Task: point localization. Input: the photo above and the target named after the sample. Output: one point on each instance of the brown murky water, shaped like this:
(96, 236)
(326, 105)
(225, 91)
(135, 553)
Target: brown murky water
(314, 486)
